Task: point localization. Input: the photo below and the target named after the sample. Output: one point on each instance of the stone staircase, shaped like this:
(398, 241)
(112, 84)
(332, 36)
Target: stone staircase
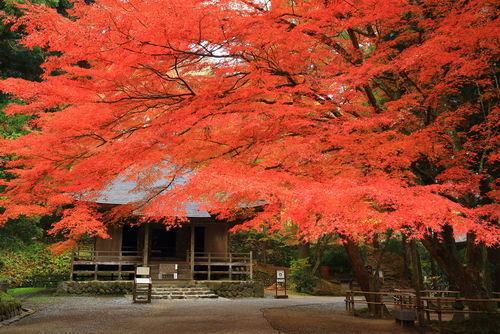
(181, 291)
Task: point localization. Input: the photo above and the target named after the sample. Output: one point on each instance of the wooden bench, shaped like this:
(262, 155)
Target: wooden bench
(405, 316)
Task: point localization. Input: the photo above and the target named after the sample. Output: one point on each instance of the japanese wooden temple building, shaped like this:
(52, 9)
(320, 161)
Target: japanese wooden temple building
(198, 250)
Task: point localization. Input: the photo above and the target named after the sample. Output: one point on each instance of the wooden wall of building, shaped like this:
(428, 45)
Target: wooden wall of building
(216, 238)
(182, 241)
(113, 243)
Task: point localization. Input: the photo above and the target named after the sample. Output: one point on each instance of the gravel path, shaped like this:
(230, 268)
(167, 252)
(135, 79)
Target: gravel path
(109, 315)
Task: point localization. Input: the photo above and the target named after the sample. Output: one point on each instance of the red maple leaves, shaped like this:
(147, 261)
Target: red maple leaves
(350, 117)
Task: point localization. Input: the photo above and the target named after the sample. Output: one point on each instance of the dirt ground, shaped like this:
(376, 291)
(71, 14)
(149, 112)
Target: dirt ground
(118, 315)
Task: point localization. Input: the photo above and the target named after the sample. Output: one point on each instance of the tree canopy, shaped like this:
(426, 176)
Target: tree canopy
(349, 117)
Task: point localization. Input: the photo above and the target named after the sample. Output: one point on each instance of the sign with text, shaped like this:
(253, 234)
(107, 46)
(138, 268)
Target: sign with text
(280, 281)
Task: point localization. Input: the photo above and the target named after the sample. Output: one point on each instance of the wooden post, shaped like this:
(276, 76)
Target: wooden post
(440, 319)
(145, 251)
(347, 305)
(416, 275)
(352, 303)
(120, 265)
(73, 255)
(251, 266)
(230, 266)
(209, 268)
(427, 312)
(191, 247)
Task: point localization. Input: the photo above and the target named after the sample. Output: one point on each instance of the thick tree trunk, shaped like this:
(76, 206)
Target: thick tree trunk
(472, 279)
(406, 260)
(360, 272)
(417, 283)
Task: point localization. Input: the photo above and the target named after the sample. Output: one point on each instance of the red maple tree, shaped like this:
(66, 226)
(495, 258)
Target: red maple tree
(351, 117)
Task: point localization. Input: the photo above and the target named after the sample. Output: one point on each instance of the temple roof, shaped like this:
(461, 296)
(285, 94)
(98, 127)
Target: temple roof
(122, 191)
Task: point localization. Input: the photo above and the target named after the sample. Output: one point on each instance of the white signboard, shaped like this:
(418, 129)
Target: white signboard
(143, 280)
(280, 276)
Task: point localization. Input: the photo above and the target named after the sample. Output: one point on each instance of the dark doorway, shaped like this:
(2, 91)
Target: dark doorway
(199, 239)
(163, 243)
(129, 240)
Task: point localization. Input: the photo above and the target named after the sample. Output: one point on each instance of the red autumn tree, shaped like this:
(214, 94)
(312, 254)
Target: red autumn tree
(351, 117)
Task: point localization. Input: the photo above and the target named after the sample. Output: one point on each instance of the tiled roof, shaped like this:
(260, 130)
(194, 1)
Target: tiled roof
(122, 191)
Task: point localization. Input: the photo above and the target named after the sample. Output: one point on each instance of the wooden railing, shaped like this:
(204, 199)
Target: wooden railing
(233, 266)
(89, 263)
(86, 256)
(432, 302)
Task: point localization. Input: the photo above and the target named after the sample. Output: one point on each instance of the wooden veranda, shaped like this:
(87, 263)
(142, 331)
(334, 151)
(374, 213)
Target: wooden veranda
(91, 264)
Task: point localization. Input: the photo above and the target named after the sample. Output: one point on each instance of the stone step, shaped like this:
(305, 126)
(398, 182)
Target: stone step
(180, 285)
(157, 288)
(181, 291)
(154, 296)
(174, 293)
(169, 292)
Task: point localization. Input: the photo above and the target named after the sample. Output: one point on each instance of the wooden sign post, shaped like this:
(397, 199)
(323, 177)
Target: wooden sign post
(280, 280)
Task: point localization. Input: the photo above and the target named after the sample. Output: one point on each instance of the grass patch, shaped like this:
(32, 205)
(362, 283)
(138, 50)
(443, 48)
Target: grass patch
(5, 298)
(8, 303)
(21, 292)
(42, 299)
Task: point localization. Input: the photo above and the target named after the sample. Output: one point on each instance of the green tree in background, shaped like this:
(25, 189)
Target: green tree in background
(23, 257)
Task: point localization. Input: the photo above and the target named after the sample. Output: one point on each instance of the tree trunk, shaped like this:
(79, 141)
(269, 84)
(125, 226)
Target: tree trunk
(471, 280)
(319, 251)
(417, 281)
(360, 272)
(303, 250)
(406, 260)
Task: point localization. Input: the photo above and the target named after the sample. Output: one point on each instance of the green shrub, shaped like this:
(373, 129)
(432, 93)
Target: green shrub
(5, 298)
(267, 248)
(33, 265)
(9, 306)
(264, 277)
(301, 276)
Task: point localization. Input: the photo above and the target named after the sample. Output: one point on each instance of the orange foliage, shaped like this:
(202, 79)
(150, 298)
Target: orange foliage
(343, 116)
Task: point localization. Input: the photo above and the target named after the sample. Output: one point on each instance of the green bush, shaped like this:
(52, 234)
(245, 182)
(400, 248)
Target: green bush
(5, 298)
(301, 276)
(264, 277)
(33, 265)
(9, 306)
(267, 248)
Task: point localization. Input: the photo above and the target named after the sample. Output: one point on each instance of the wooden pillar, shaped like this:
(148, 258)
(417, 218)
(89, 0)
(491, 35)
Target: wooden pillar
(145, 250)
(191, 250)
(417, 278)
(251, 266)
(73, 255)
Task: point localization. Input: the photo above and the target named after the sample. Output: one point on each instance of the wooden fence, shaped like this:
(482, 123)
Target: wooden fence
(232, 266)
(432, 302)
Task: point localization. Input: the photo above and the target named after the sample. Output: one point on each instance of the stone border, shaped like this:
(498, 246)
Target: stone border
(96, 287)
(227, 289)
(25, 312)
